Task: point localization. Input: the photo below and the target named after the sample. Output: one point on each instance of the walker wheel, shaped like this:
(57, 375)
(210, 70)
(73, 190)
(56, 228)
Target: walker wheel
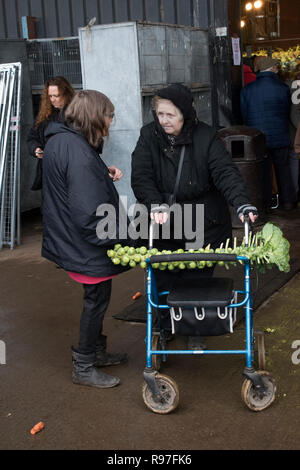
(170, 395)
(156, 346)
(251, 397)
(260, 338)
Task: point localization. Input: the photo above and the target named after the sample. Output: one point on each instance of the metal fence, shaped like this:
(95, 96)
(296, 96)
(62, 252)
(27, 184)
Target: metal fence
(10, 102)
(51, 57)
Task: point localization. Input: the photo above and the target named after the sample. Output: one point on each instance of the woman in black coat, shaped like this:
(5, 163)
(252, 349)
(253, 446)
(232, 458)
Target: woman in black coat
(208, 176)
(56, 96)
(78, 190)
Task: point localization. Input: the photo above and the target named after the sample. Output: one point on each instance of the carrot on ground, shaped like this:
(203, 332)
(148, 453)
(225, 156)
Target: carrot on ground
(37, 427)
(136, 296)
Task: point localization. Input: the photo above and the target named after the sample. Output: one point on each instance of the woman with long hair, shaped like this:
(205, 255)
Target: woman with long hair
(76, 185)
(56, 96)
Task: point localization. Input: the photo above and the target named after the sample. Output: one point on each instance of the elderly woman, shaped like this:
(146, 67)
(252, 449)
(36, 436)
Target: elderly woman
(208, 175)
(76, 182)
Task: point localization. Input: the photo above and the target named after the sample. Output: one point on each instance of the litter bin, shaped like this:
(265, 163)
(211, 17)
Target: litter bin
(247, 146)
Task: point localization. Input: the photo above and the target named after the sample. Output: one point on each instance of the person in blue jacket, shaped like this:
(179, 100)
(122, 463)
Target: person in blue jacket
(265, 105)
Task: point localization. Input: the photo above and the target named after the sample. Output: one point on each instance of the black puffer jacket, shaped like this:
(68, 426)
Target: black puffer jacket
(75, 183)
(209, 177)
(36, 136)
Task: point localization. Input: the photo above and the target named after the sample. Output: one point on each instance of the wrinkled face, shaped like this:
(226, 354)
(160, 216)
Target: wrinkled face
(170, 117)
(57, 100)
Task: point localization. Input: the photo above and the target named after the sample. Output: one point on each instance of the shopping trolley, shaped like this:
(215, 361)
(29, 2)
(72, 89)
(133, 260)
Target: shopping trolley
(213, 303)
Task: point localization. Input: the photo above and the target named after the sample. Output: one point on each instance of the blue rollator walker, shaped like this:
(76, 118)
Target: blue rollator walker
(213, 302)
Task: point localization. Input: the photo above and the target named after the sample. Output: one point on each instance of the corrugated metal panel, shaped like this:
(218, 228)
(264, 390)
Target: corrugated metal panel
(2, 22)
(136, 10)
(78, 16)
(11, 19)
(38, 12)
(107, 13)
(168, 12)
(152, 11)
(65, 25)
(62, 18)
(184, 12)
(52, 29)
(92, 9)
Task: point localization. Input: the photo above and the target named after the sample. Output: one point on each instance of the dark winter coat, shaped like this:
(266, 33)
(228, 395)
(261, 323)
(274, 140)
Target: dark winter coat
(75, 182)
(37, 139)
(297, 141)
(209, 177)
(265, 105)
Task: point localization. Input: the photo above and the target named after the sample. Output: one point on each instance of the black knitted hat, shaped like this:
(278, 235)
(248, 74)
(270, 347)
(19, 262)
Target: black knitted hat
(181, 97)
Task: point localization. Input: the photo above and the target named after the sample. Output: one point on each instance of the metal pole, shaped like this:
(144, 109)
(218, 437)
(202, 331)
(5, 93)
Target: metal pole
(7, 123)
(18, 157)
(3, 102)
(15, 158)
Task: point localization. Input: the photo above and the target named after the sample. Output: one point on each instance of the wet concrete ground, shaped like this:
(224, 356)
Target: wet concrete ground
(39, 317)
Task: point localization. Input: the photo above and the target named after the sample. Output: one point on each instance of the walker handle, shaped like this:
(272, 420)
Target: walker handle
(151, 232)
(192, 257)
(246, 229)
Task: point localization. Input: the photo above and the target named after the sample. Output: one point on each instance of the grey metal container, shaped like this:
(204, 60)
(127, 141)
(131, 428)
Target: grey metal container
(128, 62)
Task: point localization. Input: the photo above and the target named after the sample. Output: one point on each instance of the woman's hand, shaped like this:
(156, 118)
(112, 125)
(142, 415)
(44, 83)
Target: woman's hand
(39, 152)
(115, 173)
(159, 217)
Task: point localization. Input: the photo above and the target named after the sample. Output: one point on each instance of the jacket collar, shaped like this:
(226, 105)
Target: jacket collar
(267, 75)
(55, 128)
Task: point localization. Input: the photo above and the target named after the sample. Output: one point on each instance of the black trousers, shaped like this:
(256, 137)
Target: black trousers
(280, 157)
(96, 299)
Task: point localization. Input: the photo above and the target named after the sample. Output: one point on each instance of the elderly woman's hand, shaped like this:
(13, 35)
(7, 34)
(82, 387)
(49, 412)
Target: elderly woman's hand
(115, 173)
(252, 217)
(247, 210)
(159, 217)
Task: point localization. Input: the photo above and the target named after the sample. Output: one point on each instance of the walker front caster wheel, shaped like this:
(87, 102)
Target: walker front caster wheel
(251, 396)
(169, 395)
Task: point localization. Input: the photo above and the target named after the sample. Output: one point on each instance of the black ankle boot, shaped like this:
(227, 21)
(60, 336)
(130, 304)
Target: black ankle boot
(85, 372)
(104, 358)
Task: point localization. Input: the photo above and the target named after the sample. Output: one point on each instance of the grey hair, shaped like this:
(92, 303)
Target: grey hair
(155, 102)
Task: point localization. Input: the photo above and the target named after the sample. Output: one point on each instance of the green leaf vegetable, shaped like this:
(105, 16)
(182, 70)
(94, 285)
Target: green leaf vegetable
(265, 249)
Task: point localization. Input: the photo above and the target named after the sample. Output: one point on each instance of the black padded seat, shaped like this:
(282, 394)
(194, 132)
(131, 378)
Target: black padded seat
(202, 292)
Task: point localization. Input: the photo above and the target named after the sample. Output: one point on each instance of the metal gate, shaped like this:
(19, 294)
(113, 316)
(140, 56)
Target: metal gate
(10, 100)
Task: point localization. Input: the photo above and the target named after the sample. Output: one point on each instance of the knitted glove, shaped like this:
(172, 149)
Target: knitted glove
(246, 209)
